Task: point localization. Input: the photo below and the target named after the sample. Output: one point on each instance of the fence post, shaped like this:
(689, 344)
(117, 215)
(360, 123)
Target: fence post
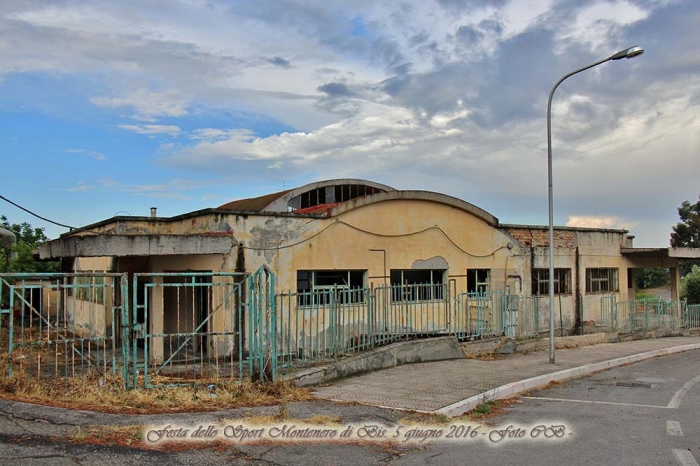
(371, 315)
(126, 331)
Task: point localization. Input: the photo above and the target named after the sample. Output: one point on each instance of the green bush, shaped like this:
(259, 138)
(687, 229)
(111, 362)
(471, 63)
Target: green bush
(690, 286)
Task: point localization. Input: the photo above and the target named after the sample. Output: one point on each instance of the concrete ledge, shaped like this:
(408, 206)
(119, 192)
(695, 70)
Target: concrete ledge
(136, 245)
(504, 345)
(396, 354)
(522, 386)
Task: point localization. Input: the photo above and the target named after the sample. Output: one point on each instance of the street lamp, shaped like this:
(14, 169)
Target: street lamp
(627, 53)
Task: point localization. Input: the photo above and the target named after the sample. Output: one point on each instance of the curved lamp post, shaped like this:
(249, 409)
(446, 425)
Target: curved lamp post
(627, 53)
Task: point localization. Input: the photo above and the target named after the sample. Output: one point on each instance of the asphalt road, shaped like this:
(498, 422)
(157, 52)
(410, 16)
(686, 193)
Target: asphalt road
(642, 414)
(647, 413)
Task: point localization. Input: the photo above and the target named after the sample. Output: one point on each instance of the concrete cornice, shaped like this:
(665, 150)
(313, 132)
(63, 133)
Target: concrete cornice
(135, 245)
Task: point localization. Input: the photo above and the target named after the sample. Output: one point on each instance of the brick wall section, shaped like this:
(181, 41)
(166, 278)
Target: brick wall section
(540, 237)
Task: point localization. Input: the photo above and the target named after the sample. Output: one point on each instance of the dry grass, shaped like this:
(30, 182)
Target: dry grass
(103, 391)
(488, 409)
(106, 394)
(131, 436)
(323, 420)
(413, 419)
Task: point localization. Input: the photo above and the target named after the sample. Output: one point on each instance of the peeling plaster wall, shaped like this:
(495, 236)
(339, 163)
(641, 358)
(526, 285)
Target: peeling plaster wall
(409, 231)
(435, 263)
(595, 249)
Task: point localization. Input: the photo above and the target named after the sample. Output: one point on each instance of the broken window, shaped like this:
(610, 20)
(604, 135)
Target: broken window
(417, 285)
(540, 281)
(88, 288)
(478, 280)
(321, 287)
(601, 280)
(330, 195)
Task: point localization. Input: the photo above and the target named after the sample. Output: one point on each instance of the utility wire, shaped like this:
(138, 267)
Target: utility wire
(36, 215)
(297, 243)
(383, 235)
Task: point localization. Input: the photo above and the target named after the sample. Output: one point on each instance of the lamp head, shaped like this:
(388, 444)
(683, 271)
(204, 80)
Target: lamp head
(628, 53)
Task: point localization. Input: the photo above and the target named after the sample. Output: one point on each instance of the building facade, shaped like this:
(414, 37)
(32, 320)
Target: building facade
(353, 235)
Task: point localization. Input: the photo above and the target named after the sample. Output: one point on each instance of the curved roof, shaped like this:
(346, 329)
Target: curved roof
(280, 201)
(254, 203)
(416, 195)
(286, 201)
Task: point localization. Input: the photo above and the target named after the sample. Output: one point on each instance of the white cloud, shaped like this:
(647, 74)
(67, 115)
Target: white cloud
(88, 153)
(107, 182)
(173, 189)
(153, 129)
(610, 223)
(81, 186)
(148, 105)
(215, 134)
(176, 188)
(380, 129)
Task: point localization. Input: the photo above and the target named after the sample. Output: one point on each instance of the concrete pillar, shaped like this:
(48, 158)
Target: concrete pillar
(631, 285)
(155, 322)
(675, 283)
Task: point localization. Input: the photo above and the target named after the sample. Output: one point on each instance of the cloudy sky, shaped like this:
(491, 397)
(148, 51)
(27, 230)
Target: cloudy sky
(111, 107)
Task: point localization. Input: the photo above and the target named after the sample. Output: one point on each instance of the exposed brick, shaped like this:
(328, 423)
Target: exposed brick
(538, 237)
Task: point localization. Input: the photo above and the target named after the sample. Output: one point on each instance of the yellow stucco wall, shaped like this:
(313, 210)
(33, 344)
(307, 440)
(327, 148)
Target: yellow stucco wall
(399, 234)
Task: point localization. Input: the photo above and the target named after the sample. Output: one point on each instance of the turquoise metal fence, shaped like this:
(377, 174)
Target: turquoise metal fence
(608, 312)
(527, 320)
(157, 329)
(56, 326)
(262, 326)
(647, 314)
(690, 316)
(190, 326)
(479, 315)
(334, 321)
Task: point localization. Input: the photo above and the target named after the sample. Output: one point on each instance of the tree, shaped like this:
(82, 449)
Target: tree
(686, 233)
(652, 277)
(690, 286)
(20, 259)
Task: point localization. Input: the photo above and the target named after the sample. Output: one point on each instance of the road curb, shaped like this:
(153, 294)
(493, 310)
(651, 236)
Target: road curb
(540, 381)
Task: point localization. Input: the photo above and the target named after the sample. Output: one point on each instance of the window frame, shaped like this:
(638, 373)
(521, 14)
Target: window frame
(540, 281)
(351, 292)
(612, 274)
(480, 287)
(88, 286)
(414, 290)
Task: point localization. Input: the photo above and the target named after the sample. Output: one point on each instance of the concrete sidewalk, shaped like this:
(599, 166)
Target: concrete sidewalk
(453, 387)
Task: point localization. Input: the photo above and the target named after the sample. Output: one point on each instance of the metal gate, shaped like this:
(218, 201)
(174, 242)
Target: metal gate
(190, 326)
(164, 329)
(55, 326)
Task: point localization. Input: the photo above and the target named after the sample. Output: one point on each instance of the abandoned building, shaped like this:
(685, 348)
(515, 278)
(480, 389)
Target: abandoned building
(353, 255)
